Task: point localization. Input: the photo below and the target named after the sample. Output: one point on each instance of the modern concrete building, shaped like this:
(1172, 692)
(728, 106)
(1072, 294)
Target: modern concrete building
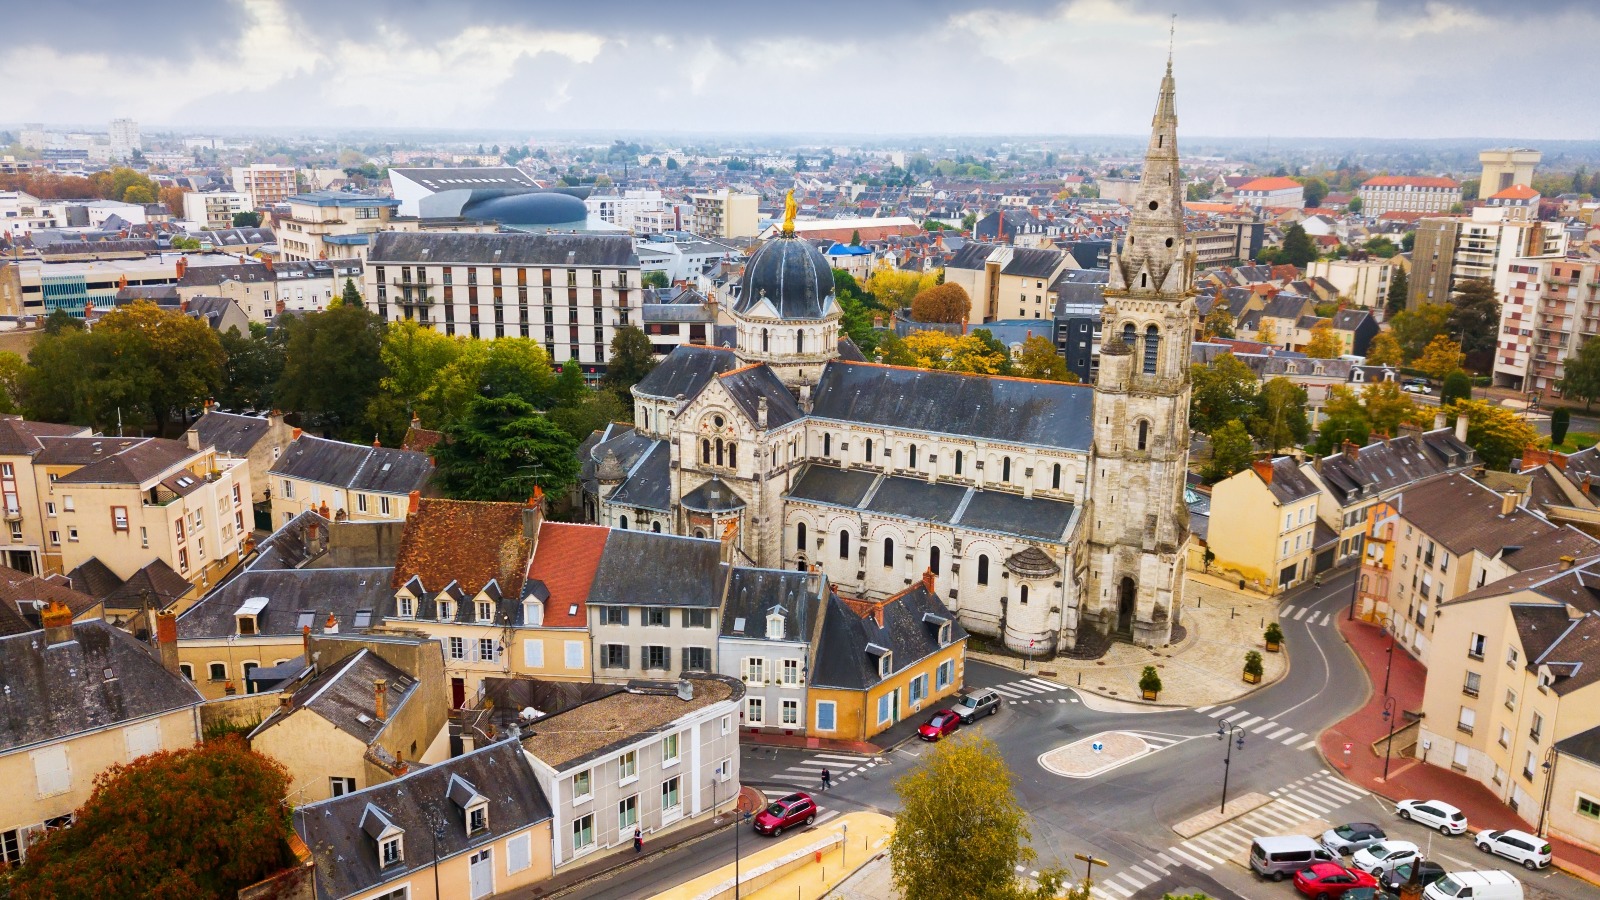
(331, 225)
(264, 184)
(1552, 307)
(214, 209)
(726, 214)
(1505, 167)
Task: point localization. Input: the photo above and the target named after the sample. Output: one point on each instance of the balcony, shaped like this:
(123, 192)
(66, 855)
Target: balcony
(161, 496)
(413, 283)
(1464, 728)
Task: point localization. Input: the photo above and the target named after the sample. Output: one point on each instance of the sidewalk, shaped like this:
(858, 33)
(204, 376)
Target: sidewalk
(881, 743)
(792, 867)
(1409, 777)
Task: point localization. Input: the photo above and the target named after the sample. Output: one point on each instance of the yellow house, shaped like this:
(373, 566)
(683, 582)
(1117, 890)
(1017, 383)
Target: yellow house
(80, 698)
(1264, 524)
(1573, 810)
(1509, 675)
(345, 481)
(877, 663)
(22, 539)
(473, 826)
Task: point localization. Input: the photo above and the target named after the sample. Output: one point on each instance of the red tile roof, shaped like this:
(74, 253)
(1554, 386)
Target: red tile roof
(1516, 192)
(1413, 180)
(465, 541)
(1270, 183)
(566, 558)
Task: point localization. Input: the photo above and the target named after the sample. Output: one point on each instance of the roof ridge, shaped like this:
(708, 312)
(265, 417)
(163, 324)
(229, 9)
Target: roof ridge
(854, 362)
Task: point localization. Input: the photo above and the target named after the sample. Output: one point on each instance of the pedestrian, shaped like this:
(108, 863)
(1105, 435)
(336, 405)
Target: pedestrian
(827, 779)
(638, 841)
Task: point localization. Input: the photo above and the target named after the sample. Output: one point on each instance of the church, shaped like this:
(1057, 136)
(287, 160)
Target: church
(1049, 515)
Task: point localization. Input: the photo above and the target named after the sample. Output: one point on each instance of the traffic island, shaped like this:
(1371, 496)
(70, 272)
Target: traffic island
(1211, 818)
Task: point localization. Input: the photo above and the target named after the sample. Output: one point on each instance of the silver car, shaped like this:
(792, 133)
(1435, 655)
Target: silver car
(1347, 839)
(976, 705)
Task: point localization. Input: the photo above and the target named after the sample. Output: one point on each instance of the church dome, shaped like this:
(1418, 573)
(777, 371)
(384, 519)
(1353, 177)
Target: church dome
(793, 275)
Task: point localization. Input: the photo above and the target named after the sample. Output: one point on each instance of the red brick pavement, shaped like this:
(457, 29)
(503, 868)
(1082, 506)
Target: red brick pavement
(1408, 777)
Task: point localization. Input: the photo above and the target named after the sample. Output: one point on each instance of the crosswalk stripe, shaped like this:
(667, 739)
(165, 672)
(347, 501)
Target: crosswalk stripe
(800, 779)
(1311, 810)
(1297, 736)
(1194, 861)
(1144, 873)
(807, 767)
(1202, 708)
(1116, 890)
(1201, 853)
(840, 756)
(1246, 723)
(1025, 688)
(1219, 712)
(1045, 683)
(1327, 618)
(1099, 893)
(1307, 745)
(1333, 800)
(1264, 727)
(1300, 613)
(1344, 787)
(1236, 716)
(1006, 691)
(1286, 610)
(1163, 863)
(1279, 733)
(1133, 881)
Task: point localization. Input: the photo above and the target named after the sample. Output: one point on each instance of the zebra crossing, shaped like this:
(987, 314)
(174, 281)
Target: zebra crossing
(1033, 690)
(1305, 614)
(1259, 725)
(807, 774)
(1316, 796)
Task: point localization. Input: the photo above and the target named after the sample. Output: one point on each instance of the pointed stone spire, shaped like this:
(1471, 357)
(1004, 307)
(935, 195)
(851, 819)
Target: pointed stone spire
(1152, 260)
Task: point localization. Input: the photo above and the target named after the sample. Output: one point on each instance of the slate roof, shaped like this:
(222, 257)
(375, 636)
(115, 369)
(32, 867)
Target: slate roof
(1033, 263)
(1584, 745)
(1463, 515)
(20, 437)
(748, 384)
(972, 256)
(905, 624)
(849, 352)
(1009, 410)
(230, 433)
(468, 542)
(1385, 465)
(1036, 518)
(94, 578)
(134, 463)
(565, 562)
(791, 274)
(1289, 483)
(685, 371)
(572, 737)
(754, 594)
(649, 481)
(156, 579)
(345, 695)
(20, 592)
(51, 693)
(356, 467)
(347, 861)
(514, 249)
(211, 276)
(641, 568)
(712, 496)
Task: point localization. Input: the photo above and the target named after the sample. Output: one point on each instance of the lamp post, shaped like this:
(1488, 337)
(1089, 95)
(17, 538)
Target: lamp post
(1355, 588)
(1550, 758)
(1234, 735)
(1389, 666)
(1389, 704)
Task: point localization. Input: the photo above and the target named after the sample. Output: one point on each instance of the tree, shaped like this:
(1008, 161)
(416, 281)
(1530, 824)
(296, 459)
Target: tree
(949, 352)
(944, 303)
(894, 288)
(185, 243)
(1266, 333)
(333, 366)
(501, 448)
(172, 198)
(138, 194)
(1280, 418)
(1314, 189)
(1475, 315)
(168, 362)
(960, 832)
(1395, 301)
(1221, 392)
(856, 322)
(1381, 246)
(12, 369)
(1560, 421)
(1496, 433)
(1441, 357)
(1580, 375)
(632, 358)
(1354, 206)
(1384, 350)
(570, 388)
(855, 237)
(210, 820)
(415, 360)
(60, 320)
(247, 220)
(656, 279)
(1218, 323)
(1325, 344)
(253, 366)
(593, 411)
(351, 293)
(1416, 328)
(1297, 249)
(1387, 406)
(1231, 451)
(1040, 359)
(1344, 419)
(672, 164)
(1457, 386)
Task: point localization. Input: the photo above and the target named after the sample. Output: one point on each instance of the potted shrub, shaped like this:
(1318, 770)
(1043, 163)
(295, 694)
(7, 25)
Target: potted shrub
(1274, 638)
(1150, 683)
(1252, 667)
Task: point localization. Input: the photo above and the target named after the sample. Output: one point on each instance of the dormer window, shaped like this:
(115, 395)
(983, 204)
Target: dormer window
(944, 634)
(377, 824)
(485, 611)
(775, 626)
(390, 853)
(247, 616)
(405, 606)
(478, 818)
(532, 613)
(446, 610)
(885, 665)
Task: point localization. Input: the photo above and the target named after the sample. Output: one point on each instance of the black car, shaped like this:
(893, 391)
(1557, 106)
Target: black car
(976, 705)
(1431, 872)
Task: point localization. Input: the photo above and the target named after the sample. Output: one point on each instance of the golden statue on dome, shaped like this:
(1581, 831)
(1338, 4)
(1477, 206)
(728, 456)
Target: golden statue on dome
(789, 209)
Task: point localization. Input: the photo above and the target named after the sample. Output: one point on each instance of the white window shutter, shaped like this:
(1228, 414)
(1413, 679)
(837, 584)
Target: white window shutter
(574, 651)
(142, 739)
(533, 653)
(519, 853)
(52, 771)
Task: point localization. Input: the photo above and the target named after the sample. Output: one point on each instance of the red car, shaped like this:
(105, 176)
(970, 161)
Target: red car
(943, 722)
(795, 809)
(1326, 881)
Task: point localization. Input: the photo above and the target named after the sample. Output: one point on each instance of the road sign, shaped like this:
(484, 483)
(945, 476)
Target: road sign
(1348, 747)
(1097, 746)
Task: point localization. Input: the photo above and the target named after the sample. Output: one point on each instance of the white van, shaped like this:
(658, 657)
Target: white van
(1280, 857)
(1492, 885)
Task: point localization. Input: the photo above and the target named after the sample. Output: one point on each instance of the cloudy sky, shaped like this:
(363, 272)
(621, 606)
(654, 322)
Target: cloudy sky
(1285, 68)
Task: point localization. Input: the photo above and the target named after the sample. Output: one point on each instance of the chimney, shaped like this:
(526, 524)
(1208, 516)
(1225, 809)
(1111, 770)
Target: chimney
(761, 412)
(1351, 451)
(297, 433)
(57, 624)
(1439, 421)
(413, 501)
(533, 515)
(1263, 468)
(1567, 561)
(1461, 428)
(376, 442)
(167, 640)
(267, 260)
(193, 437)
(285, 699)
(332, 625)
(928, 579)
(323, 509)
(685, 689)
(305, 642)
(380, 698)
(1508, 502)
(183, 266)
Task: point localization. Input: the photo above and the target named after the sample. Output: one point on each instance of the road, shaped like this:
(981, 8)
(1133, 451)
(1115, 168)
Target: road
(1124, 816)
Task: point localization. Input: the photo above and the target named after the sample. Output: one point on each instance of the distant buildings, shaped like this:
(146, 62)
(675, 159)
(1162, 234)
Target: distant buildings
(1483, 245)
(1551, 307)
(1408, 193)
(1505, 167)
(726, 214)
(1273, 192)
(124, 139)
(264, 184)
(214, 209)
(413, 185)
(331, 225)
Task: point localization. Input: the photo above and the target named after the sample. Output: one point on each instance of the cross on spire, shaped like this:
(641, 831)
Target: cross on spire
(1172, 32)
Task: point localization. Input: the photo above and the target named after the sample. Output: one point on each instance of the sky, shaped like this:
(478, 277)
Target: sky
(1245, 68)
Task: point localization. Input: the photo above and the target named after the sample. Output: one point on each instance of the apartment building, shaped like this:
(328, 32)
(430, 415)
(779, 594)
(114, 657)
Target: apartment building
(1408, 193)
(214, 209)
(331, 224)
(1005, 282)
(570, 292)
(1482, 245)
(726, 214)
(264, 184)
(1364, 282)
(1551, 307)
(1265, 525)
(655, 605)
(1273, 192)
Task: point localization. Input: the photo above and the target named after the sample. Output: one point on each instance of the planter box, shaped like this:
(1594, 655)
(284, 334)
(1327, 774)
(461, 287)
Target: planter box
(1252, 679)
(1274, 648)
(1149, 695)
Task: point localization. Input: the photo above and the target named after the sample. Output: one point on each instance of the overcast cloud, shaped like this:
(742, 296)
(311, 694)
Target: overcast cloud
(1289, 68)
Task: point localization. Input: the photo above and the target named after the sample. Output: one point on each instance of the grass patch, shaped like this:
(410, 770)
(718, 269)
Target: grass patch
(1577, 440)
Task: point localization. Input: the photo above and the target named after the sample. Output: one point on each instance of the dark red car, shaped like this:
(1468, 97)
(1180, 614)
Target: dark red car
(943, 722)
(796, 809)
(1327, 881)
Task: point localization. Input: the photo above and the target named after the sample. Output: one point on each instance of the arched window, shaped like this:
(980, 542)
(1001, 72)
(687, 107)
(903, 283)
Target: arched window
(827, 445)
(623, 523)
(800, 536)
(1022, 595)
(913, 456)
(699, 532)
(733, 455)
(1152, 347)
(983, 569)
(888, 553)
(1055, 478)
(869, 449)
(705, 451)
(719, 451)
(1144, 434)
(1130, 334)
(766, 341)
(799, 342)
(933, 559)
(656, 527)
(1005, 468)
(958, 462)
(1144, 281)
(844, 544)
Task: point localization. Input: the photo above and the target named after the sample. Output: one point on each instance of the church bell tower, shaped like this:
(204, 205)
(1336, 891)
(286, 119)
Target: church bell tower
(1137, 522)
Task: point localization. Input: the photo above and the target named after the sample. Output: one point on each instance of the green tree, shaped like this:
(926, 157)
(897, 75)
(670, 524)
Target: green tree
(1496, 433)
(672, 164)
(1387, 406)
(501, 448)
(1297, 249)
(1381, 246)
(1280, 418)
(1408, 241)
(12, 369)
(570, 387)
(960, 833)
(138, 194)
(856, 321)
(1344, 419)
(1457, 386)
(1395, 301)
(1354, 206)
(1325, 344)
(1416, 328)
(1231, 451)
(1221, 392)
(170, 362)
(415, 359)
(593, 411)
(516, 367)
(894, 288)
(1441, 357)
(1314, 190)
(1560, 421)
(631, 360)
(1040, 359)
(1580, 374)
(942, 303)
(1475, 315)
(60, 320)
(1384, 350)
(247, 220)
(210, 820)
(1218, 323)
(254, 365)
(656, 279)
(855, 237)
(333, 367)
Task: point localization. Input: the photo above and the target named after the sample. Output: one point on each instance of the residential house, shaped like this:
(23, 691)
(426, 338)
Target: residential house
(469, 827)
(261, 439)
(78, 698)
(1363, 282)
(1000, 278)
(770, 621)
(654, 605)
(24, 597)
(1264, 526)
(252, 285)
(346, 481)
(21, 441)
(1573, 807)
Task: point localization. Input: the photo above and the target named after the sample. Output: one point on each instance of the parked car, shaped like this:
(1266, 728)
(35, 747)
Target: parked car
(1280, 856)
(976, 705)
(1326, 881)
(944, 722)
(1417, 386)
(1349, 838)
(1530, 850)
(1428, 873)
(1434, 814)
(1485, 885)
(1379, 858)
(786, 812)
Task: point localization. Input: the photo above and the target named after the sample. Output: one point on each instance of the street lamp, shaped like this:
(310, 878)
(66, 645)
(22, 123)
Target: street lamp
(1389, 666)
(1389, 704)
(1550, 758)
(1224, 732)
(1355, 589)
